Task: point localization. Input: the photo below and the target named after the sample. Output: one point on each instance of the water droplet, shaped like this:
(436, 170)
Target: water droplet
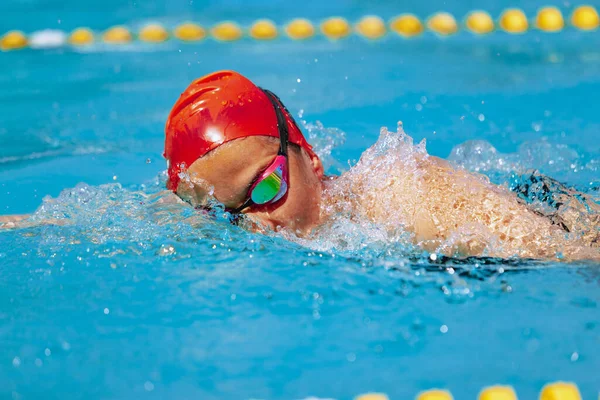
(166, 250)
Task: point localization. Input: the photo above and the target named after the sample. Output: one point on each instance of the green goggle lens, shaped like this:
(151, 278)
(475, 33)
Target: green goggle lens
(268, 188)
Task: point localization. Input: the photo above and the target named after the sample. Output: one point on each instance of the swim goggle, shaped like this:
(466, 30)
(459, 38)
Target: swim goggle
(272, 184)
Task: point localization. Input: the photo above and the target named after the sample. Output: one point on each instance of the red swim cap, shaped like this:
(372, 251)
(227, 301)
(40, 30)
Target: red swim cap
(215, 109)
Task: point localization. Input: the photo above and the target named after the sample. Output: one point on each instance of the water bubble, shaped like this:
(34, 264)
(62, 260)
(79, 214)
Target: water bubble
(38, 362)
(481, 117)
(148, 386)
(574, 356)
(444, 328)
(106, 311)
(167, 250)
(351, 357)
(47, 352)
(16, 362)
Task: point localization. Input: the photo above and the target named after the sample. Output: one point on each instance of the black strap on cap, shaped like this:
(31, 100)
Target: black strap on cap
(282, 125)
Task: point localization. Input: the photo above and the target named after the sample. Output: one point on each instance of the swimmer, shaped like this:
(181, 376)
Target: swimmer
(232, 143)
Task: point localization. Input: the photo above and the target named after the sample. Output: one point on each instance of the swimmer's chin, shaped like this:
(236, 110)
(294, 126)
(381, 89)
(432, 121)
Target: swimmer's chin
(260, 226)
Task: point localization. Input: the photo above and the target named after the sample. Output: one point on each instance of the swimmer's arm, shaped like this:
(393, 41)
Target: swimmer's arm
(11, 221)
(23, 221)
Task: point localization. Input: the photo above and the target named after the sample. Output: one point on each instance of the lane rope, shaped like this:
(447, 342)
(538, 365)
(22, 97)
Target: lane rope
(371, 27)
(552, 391)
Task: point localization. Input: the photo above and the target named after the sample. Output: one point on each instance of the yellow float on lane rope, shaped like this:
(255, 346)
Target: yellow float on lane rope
(435, 395)
(117, 35)
(81, 37)
(335, 28)
(300, 29)
(479, 22)
(498, 393)
(227, 31)
(189, 32)
(549, 19)
(13, 40)
(407, 25)
(586, 18)
(153, 33)
(371, 27)
(560, 391)
(263, 30)
(442, 23)
(514, 21)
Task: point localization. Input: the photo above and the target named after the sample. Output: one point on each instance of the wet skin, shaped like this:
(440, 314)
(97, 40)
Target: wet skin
(231, 168)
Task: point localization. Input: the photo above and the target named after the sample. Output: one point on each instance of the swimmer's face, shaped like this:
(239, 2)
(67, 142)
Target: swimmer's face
(230, 169)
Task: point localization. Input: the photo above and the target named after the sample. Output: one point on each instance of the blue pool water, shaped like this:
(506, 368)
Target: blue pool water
(124, 297)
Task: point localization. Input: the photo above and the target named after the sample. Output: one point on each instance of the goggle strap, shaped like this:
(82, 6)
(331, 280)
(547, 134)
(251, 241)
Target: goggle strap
(281, 121)
(246, 204)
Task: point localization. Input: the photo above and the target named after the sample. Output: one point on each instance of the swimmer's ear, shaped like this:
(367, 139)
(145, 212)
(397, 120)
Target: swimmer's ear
(317, 166)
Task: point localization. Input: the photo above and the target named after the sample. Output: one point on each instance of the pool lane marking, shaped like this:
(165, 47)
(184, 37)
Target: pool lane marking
(512, 20)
